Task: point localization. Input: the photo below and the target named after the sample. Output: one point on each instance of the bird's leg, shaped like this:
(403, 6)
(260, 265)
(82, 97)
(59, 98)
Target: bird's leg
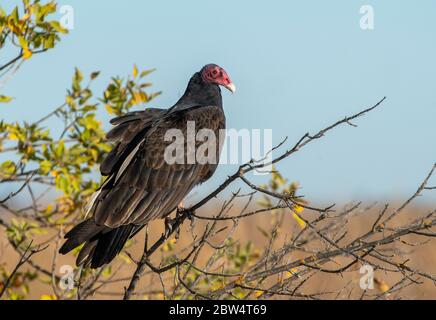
(180, 207)
(179, 211)
(169, 223)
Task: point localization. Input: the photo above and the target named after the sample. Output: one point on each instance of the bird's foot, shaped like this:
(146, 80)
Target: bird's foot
(169, 224)
(180, 208)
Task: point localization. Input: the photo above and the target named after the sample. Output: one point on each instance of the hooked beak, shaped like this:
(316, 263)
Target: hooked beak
(231, 87)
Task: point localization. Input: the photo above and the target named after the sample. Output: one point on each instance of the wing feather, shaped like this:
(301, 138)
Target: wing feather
(128, 131)
(143, 185)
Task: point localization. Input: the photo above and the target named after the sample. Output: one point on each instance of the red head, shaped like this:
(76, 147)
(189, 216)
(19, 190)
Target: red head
(215, 74)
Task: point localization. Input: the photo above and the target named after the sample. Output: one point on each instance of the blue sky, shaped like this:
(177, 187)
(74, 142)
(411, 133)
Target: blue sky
(298, 66)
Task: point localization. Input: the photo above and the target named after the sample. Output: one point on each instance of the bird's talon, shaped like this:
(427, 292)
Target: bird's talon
(168, 226)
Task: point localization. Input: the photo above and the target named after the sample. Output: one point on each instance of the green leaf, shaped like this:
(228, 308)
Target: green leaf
(62, 184)
(49, 41)
(57, 26)
(77, 79)
(8, 167)
(95, 75)
(60, 149)
(5, 99)
(45, 167)
(146, 72)
(14, 15)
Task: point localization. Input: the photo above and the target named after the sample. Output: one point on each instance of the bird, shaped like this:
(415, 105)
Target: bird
(141, 185)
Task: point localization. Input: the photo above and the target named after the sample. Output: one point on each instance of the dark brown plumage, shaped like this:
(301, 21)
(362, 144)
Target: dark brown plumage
(141, 186)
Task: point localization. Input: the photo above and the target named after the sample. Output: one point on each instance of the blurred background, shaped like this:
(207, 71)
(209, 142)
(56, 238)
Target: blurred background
(298, 66)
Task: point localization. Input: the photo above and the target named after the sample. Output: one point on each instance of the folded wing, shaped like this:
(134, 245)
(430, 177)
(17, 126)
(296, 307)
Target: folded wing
(141, 185)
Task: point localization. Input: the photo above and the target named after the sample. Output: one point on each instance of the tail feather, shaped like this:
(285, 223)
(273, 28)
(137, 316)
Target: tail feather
(109, 245)
(79, 234)
(86, 252)
(102, 243)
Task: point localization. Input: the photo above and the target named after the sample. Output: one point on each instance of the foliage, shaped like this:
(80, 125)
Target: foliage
(36, 155)
(55, 173)
(29, 30)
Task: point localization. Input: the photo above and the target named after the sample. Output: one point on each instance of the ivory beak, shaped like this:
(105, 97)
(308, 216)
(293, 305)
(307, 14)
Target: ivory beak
(231, 87)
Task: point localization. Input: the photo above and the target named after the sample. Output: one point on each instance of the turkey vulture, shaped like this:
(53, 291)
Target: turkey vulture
(141, 185)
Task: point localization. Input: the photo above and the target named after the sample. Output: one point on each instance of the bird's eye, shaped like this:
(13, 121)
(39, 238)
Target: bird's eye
(214, 72)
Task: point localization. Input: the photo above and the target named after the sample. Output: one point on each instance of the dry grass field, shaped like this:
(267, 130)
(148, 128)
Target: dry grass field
(334, 286)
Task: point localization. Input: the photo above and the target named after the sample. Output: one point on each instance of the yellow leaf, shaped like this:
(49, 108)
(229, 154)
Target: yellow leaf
(25, 46)
(240, 280)
(13, 136)
(27, 54)
(109, 109)
(290, 273)
(217, 285)
(299, 209)
(25, 17)
(382, 286)
(48, 297)
(300, 221)
(169, 246)
(257, 294)
(49, 208)
(5, 99)
(125, 258)
(137, 98)
(428, 222)
(135, 71)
